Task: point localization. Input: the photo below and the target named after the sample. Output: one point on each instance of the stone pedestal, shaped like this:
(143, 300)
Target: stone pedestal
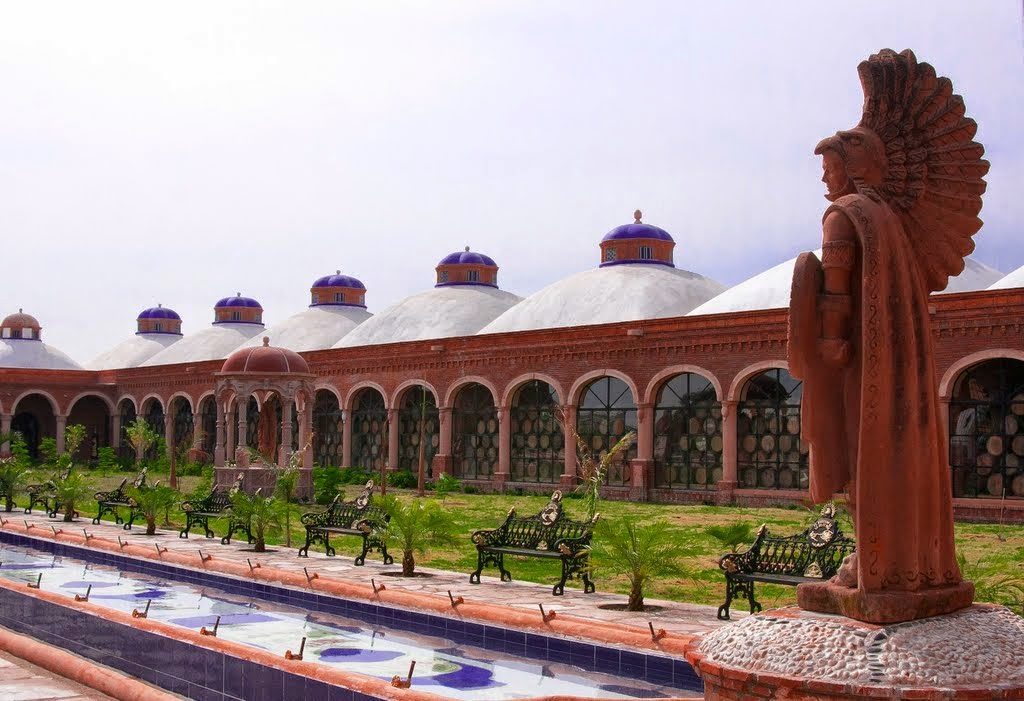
(975, 653)
(262, 477)
(884, 607)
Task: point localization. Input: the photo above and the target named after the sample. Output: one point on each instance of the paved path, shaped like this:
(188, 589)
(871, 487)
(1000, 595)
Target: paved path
(674, 617)
(23, 681)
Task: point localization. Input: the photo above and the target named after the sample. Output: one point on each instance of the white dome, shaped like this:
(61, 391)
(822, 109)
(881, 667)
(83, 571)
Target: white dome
(440, 312)
(607, 295)
(1014, 279)
(770, 289)
(133, 351)
(34, 354)
(312, 329)
(212, 343)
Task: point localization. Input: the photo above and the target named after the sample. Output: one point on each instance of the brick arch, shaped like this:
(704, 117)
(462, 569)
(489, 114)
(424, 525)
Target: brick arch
(130, 398)
(462, 382)
(111, 407)
(358, 387)
(968, 361)
(654, 386)
(152, 395)
(585, 379)
(328, 387)
(511, 387)
(42, 393)
(749, 371)
(203, 397)
(187, 398)
(400, 390)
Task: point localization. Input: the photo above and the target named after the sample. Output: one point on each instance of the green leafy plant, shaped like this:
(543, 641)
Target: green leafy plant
(264, 514)
(993, 583)
(72, 490)
(415, 526)
(286, 486)
(593, 471)
(445, 485)
(48, 451)
(355, 475)
(14, 469)
(106, 459)
(151, 500)
(140, 435)
(640, 551)
(326, 483)
(733, 535)
(402, 479)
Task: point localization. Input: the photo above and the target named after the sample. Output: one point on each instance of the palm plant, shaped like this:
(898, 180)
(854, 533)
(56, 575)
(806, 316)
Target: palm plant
(593, 471)
(287, 483)
(150, 500)
(263, 514)
(70, 487)
(140, 435)
(732, 535)
(414, 526)
(640, 551)
(14, 469)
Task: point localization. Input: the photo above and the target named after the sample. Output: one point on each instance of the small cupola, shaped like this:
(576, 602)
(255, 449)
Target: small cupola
(637, 243)
(338, 291)
(159, 319)
(21, 326)
(467, 268)
(238, 310)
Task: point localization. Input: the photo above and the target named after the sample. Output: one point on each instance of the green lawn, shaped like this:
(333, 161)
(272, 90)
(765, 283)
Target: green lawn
(994, 554)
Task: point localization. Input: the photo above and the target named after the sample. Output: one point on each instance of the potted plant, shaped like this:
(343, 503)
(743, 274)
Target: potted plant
(414, 526)
(262, 513)
(640, 551)
(150, 500)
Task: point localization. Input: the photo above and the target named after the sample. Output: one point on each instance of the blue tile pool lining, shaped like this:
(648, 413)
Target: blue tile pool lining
(655, 669)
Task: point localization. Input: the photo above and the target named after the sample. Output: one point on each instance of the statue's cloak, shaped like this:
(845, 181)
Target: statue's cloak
(876, 421)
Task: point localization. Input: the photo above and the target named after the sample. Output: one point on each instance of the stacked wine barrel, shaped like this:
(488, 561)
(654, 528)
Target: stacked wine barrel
(1004, 450)
(477, 453)
(368, 439)
(328, 434)
(537, 447)
(770, 453)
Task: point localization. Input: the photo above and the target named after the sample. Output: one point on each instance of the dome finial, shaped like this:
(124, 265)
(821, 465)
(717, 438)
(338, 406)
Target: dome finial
(338, 271)
(467, 249)
(266, 341)
(159, 305)
(637, 215)
(238, 294)
(20, 310)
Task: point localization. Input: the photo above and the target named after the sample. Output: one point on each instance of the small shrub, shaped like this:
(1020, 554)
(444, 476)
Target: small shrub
(326, 483)
(48, 451)
(106, 459)
(263, 514)
(445, 485)
(355, 475)
(414, 526)
(402, 479)
(470, 489)
(733, 535)
(151, 500)
(641, 552)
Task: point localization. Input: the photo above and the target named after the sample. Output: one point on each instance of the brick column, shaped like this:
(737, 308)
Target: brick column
(285, 449)
(169, 434)
(115, 431)
(642, 466)
(442, 462)
(242, 406)
(218, 446)
(392, 439)
(62, 422)
(568, 480)
(729, 481)
(229, 437)
(5, 428)
(504, 448)
(346, 438)
(305, 431)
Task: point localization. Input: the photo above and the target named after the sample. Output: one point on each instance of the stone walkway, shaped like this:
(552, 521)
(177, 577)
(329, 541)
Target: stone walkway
(674, 617)
(23, 681)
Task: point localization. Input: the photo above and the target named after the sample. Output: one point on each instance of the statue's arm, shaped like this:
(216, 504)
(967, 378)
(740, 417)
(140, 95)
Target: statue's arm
(839, 251)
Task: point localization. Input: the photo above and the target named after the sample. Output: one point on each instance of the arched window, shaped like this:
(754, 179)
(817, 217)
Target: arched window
(183, 423)
(418, 425)
(208, 424)
(538, 442)
(986, 430)
(369, 430)
(687, 434)
(327, 429)
(769, 453)
(474, 433)
(91, 413)
(606, 413)
(252, 423)
(34, 420)
(127, 412)
(153, 412)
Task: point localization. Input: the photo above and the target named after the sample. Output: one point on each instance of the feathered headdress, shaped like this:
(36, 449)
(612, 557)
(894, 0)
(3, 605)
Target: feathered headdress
(934, 180)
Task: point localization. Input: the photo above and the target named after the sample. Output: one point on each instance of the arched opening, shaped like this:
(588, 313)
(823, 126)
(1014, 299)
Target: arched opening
(986, 430)
(126, 410)
(34, 420)
(208, 425)
(327, 429)
(369, 430)
(417, 427)
(769, 452)
(474, 433)
(687, 434)
(538, 441)
(607, 412)
(91, 413)
(182, 423)
(252, 424)
(153, 413)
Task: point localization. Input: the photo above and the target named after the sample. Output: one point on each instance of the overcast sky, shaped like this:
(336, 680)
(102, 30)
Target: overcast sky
(181, 152)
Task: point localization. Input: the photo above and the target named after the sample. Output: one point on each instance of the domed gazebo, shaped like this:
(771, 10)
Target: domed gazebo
(281, 384)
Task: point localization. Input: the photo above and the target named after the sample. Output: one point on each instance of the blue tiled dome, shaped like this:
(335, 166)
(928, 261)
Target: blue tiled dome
(467, 257)
(637, 231)
(339, 280)
(238, 301)
(159, 312)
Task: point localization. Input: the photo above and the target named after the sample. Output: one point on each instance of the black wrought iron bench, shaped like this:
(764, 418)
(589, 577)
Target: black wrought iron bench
(110, 502)
(811, 556)
(548, 534)
(355, 518)
(45, 495)
(216, 505)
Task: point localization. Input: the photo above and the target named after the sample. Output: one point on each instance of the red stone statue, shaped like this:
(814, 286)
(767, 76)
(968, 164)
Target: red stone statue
(905, 186)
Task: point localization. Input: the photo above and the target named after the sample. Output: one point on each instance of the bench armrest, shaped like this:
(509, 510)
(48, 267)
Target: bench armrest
(573, 546)
(486, 537)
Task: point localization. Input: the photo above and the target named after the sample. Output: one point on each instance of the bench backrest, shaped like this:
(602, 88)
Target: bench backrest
(816, 552)
(346, 514)
(542, 530)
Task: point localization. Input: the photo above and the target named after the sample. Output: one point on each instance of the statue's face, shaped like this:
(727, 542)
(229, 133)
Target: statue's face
(837, 182)
(851, 158)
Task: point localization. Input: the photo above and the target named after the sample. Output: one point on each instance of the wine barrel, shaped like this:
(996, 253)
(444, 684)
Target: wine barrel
(602, 426)
(994, 445)
(531, 441)
(492, 453)
(481, 452)
(786, 480)
(1011, 424)
(545, 441)
(710, 426)
(435, 440)
(768, 478)
(1017, 486)
(414, 439)
(526, 426)
(749, 478)
(618, 427)
(716, 475)
(785, 443)
(749, 444)
(1017, 407)
(716, 444)
(367, 426)
(768, 443)
(700, 475)
(995, 485)
(693, 425)
(716, 411)
(793, 425)
(598, 442)
(684, 442)
(1017, 445)
(985, 460)
(492, 425)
